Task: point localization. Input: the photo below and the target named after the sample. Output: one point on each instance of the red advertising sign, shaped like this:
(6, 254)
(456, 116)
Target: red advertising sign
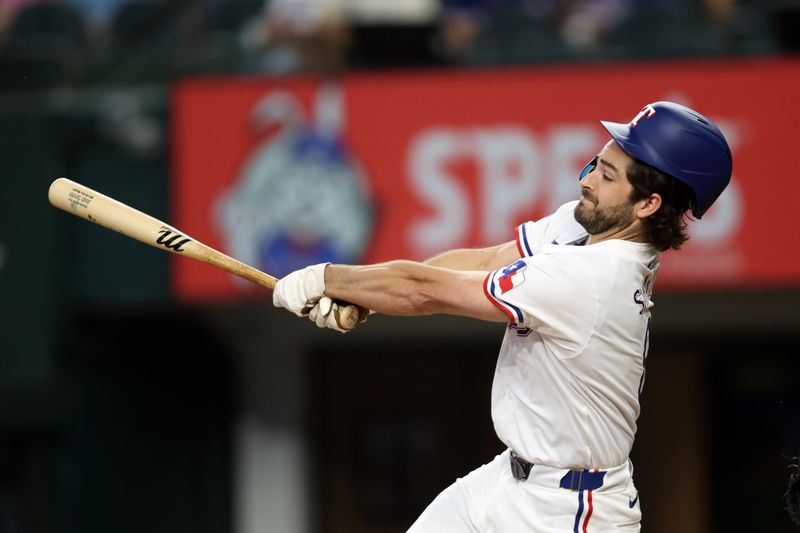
(287, 172)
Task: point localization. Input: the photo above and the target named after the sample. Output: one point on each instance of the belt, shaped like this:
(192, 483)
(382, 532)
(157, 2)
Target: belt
(574, 479)
(520, 468)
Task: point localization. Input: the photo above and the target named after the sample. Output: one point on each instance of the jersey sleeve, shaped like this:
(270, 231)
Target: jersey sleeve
(559, 227)
(552, 294)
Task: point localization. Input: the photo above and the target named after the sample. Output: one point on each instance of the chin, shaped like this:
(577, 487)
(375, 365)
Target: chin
(580, 214)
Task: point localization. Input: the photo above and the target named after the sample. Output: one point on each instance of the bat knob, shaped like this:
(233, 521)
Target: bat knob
(347, 317)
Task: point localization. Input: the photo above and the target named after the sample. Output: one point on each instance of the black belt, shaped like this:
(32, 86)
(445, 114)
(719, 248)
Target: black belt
(574, 479)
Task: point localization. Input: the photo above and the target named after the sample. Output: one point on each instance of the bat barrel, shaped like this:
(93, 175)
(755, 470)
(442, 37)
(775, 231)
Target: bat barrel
(96, 207)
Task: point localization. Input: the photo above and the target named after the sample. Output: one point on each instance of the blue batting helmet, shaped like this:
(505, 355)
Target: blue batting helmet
(681, 143)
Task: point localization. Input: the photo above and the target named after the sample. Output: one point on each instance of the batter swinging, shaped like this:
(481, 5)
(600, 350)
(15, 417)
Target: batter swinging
(575, 289)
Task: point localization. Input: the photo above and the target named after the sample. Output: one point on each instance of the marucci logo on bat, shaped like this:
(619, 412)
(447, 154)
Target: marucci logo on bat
(171, 239)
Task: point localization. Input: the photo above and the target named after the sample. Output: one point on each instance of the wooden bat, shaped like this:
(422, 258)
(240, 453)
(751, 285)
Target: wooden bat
(96, 207)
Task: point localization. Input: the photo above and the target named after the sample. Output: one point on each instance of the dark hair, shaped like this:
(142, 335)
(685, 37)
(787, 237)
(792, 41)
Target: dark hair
(666, 228)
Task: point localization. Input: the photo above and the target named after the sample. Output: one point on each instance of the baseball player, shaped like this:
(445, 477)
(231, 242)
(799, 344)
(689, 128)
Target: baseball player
(575, 291)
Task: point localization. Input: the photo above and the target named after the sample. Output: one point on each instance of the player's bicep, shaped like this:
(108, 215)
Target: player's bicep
(462, 293)
(489, 258)
(502, 255)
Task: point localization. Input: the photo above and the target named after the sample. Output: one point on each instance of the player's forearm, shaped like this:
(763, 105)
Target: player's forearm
(401, 288)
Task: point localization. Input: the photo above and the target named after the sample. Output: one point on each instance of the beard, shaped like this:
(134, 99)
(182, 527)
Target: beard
(601, 219)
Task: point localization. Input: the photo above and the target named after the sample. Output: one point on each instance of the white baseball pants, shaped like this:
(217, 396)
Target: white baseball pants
(490, 500)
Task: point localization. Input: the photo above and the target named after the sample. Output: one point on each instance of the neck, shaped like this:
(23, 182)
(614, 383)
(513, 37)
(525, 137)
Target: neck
(633, 232)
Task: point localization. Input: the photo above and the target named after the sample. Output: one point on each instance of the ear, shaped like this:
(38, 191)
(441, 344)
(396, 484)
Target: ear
(648, 206)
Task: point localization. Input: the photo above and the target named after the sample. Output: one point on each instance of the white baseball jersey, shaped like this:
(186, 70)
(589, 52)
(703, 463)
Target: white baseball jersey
(571, 367)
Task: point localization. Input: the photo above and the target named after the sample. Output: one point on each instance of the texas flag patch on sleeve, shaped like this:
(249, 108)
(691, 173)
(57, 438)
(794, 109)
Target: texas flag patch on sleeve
(512, 276)
(500, 282)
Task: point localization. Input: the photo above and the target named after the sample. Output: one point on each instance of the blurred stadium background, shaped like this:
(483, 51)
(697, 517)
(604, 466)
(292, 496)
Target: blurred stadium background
(139, 392)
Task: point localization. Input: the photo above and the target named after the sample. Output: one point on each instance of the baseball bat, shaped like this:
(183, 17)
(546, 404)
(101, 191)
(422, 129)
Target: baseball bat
(96, 207)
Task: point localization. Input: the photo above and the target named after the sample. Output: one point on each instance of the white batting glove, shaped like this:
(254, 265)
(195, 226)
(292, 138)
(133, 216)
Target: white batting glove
(325, 314)
(300, 291)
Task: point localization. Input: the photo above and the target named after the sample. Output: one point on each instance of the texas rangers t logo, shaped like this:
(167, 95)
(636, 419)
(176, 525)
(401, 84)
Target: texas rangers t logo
(647, 112)
(513, 275)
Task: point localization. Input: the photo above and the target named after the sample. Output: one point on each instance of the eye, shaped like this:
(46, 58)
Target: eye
(588, 168)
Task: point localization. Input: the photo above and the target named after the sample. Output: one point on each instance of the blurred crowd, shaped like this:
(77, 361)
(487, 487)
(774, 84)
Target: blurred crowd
(85, 40)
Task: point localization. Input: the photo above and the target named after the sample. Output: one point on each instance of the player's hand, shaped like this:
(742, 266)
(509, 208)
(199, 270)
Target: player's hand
(326, 314)
(300, 290)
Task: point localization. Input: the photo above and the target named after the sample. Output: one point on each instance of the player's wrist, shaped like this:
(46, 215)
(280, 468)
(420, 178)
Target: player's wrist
(300, 290)
(315, 284)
